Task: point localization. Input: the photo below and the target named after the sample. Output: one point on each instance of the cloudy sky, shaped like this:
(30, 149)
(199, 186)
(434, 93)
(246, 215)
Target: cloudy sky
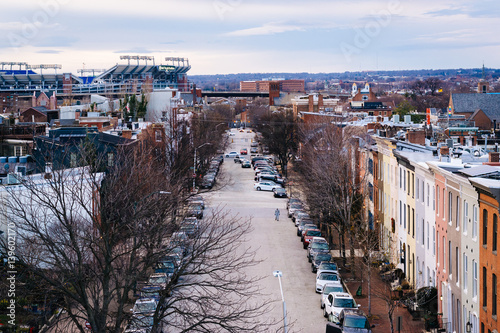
(242, 36)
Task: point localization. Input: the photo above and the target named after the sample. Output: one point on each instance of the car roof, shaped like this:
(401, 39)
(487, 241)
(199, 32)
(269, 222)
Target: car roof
(317, 239)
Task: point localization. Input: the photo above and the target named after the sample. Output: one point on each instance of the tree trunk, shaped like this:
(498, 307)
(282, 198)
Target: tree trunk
(369, 283)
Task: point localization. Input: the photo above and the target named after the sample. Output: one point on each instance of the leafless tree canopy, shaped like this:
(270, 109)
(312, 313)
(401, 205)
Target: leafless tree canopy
(92, 237)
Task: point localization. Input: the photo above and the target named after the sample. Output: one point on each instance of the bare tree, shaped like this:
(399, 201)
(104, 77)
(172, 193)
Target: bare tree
(280, 133)
(331, 179)
(92, 237)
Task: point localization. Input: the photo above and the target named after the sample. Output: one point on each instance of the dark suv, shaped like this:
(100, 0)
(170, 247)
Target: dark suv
(351, 321)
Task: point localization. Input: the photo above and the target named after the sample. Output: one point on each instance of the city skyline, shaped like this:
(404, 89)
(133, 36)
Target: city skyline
(235, 36)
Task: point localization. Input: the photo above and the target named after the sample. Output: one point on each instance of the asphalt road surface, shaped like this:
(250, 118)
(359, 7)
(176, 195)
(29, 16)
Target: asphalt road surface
(276, 242)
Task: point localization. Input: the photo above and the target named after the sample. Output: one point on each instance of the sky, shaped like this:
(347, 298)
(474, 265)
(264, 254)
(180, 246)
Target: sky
(248, 36)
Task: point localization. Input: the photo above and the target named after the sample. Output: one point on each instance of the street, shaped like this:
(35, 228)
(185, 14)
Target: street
(276, 243)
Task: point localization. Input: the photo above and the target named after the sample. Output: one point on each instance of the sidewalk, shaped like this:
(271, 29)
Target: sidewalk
(379, 307)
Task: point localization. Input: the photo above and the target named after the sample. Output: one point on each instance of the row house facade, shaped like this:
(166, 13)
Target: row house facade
(438, 223)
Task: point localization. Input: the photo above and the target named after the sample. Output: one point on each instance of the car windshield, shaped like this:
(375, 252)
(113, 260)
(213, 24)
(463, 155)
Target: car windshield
(356, 322)
(343, 303)
(328, 277)
(320, 246)
(313, 233)
(166, 266)
(296, 206)
(332, 289)
(328, 266)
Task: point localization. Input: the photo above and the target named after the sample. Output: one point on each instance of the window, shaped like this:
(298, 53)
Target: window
(404, 181)
(110, 159)
(437, 247)
(418, 182)
(485, 227)
(485, 288)
(158, 136)
(465, 265)
(444, 203)
(474, 221)
(428, 190)
(433, 239)
(404, 216)
(494, 295)
(408, 172)
(450, 208)
(457, 221)
(400, 213)
(412, 222)
(495, 232)
(400, 178)
(474, 278)
(444, 253)
(465, 216)
(457, 264)
(72, 160)
(423, 233)
(423, 190)
(433, 198)
(450, 256)
(437, 201)
(412, 185)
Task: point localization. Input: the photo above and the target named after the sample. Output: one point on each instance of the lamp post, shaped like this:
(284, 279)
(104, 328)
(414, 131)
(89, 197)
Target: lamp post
(279, 274)
(468, 327)
(219, 125)
(194, 164)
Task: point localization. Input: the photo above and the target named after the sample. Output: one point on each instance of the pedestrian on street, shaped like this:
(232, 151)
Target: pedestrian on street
(277, 214)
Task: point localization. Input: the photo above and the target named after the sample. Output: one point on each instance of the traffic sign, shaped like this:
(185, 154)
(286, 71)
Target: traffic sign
(87, 325)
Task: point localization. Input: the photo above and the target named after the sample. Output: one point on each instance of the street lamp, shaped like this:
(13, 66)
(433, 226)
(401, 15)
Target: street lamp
(219, 125)
(468, 327)
(279, 274)
(194, 164)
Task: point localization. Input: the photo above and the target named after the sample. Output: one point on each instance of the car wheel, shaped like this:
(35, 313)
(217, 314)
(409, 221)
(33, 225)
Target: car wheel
(258, 188)
(274, 190)
(304, 246)
(322, 306)
(324, 313)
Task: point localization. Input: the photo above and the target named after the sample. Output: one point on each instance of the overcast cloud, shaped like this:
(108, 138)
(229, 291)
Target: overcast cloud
(235, 36)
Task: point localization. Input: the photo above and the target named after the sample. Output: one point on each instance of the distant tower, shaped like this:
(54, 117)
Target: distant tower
(354, 89)
(483, 87)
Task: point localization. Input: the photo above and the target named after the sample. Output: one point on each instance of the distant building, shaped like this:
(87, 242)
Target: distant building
(314, 103)
(265, 86)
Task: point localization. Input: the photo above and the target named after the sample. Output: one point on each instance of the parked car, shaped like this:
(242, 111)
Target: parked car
(246, 164)
(316, 248)
(308, 235)
(301, 215)
(158, 279)
(232, 154)
(254, 150)
(237, 159)
(306, 227)
(266, 186)
(207, 182)
(194, 209)
(165, 266)
(140, 324)
(197, 199)
(293, 207)
(150, 291)
(353, 320)
(335, 302)
(328, 267)
(324, 278)
(302, 225)
(145, 306)
(302, 212)
(243, 151)
(291, 201)
(318, 258)
(280, 193)
(330, 287)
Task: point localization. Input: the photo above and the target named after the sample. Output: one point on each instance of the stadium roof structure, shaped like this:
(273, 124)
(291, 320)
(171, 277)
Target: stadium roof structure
(30, 81)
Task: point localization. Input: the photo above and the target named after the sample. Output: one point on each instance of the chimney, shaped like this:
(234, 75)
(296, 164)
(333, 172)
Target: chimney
(494, 157)
(311, 103)
(320, 102)
(416, 137)
(127, 134)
